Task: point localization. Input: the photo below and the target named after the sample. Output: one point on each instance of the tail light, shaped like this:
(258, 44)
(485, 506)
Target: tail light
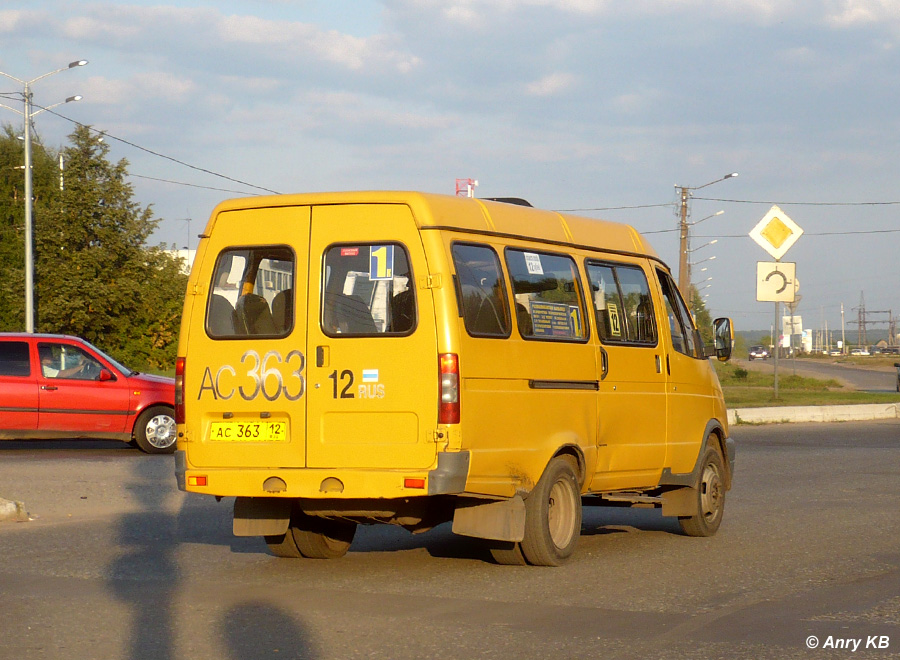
(179, 390)
(448, 412)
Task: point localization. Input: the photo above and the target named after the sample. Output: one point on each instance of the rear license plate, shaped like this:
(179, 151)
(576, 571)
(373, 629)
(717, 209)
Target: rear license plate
(248, 431)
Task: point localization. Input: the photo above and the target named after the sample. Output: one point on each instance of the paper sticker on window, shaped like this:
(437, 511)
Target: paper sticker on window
(350, 252)
(550, 319)
(615, 326)
(381, 262)
(533, 263)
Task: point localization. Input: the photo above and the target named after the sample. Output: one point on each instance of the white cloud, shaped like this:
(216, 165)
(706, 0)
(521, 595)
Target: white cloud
(140, 87)
(552, 84)
(14, 20)
(210, 30)
(865, 12)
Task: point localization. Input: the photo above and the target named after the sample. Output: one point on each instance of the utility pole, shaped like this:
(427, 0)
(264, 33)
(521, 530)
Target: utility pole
(28, 114)
(684, 266)
(684, 272)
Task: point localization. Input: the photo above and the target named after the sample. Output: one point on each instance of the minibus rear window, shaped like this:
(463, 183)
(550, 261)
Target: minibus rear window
(252, 293)
(369, 291)
(481, 291)
(548, 298)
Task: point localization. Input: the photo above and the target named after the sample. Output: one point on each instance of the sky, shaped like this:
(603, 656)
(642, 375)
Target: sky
(597, 106)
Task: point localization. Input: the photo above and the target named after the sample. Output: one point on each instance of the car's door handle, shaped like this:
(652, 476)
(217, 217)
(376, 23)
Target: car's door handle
(604, 363)
(49, 387)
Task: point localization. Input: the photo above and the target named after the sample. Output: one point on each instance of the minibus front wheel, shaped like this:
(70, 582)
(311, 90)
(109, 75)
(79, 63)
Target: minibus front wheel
(553, 514)
(709, 498)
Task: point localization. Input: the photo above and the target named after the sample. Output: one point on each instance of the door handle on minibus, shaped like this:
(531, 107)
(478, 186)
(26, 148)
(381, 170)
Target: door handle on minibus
(658, 365)
(604, 363)
(323, 356)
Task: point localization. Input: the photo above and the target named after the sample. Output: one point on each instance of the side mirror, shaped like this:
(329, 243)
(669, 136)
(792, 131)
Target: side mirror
(105, 375)
(723, 330)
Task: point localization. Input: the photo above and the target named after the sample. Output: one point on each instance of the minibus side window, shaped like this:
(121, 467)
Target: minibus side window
(548, 299)
(622, 304)
(252, 293)
(680, 323)
(369, 291)
(481, 290)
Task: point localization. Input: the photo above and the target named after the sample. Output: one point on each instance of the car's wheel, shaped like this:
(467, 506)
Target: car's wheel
(154, 432)
(553, 515)
(283, 545)
(320, 538)
(709, 498)
(508, 553)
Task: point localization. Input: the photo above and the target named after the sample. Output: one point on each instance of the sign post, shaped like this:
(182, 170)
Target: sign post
(777, 282)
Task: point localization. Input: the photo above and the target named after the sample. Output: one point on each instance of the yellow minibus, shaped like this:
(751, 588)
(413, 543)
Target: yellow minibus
(412, 359)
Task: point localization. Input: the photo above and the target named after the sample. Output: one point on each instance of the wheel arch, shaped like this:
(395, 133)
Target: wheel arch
(147, 406)
(575, 452)
(714, 429)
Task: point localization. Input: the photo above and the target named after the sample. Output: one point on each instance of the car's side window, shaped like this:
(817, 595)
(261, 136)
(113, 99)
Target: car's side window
(681, 324)
(623, 305)
(14, 359)
(481, 290)
(548, 296)
(66, 361)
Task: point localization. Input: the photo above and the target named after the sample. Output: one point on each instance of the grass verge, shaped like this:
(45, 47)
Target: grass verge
(752, 389)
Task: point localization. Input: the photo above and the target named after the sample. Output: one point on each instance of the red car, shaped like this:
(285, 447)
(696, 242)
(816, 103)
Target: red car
(56, 386)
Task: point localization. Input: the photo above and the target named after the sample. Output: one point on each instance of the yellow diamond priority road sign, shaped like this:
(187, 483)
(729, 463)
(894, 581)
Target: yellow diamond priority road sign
(776, 232)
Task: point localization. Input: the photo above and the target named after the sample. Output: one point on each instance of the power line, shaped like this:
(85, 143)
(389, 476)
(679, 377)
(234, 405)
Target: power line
(748, 201)
(155, 153)
(614, 208)
(189, 185)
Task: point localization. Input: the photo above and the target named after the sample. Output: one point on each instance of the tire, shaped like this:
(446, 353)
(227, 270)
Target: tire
(507, 553)
(154, 432)
(553, 515)
(320, 538)
(284, 546)
(709, 501)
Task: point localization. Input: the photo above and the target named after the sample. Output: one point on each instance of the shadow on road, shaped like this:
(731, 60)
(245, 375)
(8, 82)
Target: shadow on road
(260, 631)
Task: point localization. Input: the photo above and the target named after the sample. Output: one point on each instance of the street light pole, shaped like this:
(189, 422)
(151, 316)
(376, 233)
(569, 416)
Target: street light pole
(29, 197)
(684, 267)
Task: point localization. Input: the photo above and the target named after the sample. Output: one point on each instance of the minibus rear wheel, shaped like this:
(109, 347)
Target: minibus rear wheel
(709, 499)
(553, 514)
(321, 538)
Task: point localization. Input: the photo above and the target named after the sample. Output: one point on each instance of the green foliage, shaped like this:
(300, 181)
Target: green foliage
(95, 276)
(702, 318)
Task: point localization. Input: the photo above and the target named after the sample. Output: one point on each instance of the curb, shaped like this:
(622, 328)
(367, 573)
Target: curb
(784, 414)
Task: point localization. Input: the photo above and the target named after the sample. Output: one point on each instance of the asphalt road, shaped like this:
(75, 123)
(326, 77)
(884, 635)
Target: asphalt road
(859, 378)
(119, 564)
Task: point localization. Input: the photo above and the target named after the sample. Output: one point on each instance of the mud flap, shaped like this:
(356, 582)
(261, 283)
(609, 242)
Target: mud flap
(500, 521)
(261, 516)
(680, 502)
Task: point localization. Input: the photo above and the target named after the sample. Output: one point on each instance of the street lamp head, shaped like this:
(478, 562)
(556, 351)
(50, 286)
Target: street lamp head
(77, 97)
(72, 65)
(729, 176)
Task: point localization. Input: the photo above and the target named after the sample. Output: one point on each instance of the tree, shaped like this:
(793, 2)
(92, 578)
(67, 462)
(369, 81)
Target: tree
(95, 277)
(702, 318)
(12, 218)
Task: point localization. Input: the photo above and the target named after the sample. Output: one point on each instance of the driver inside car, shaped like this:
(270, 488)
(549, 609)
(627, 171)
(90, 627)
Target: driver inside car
(51, 368)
